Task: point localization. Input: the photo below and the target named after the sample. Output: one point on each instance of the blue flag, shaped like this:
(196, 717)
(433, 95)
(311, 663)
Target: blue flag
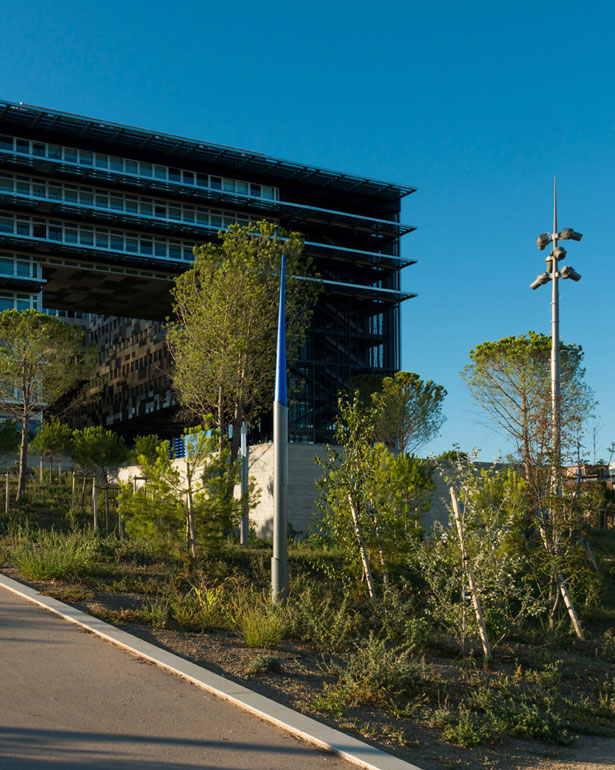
(280, 367)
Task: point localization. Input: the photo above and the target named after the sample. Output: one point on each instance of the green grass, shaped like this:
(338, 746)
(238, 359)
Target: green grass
(54, 555)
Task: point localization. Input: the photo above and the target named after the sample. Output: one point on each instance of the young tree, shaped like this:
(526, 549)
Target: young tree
(371, 499)
(510, 379)
(186, 500)
(223, 340)
(52, 440)
(41, 358)
(99, 451)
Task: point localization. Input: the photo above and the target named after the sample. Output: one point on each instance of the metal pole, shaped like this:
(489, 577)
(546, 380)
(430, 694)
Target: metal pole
(7, 499)
(245, 510)
(279, 561)
(94, 504)
(555, 359)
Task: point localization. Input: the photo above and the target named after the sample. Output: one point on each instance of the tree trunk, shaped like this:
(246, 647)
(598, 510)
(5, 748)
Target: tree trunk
(23, 457)
(465, 559)
(358, 530)
(221, 421)
(190, 528)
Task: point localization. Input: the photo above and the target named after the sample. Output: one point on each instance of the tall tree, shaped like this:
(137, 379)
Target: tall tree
(223, 340)
(510, 380)
(41, 358)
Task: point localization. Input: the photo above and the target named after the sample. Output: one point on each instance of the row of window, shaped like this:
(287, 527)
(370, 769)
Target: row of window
(95, 237)
(137, 168)
(10, 301)
(23, 267)
(154, 208)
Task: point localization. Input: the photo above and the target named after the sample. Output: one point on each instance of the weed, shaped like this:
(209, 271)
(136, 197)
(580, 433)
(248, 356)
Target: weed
(465, 731)
(374, 672)
(260, 623)
(320, 619)
(70, 594)
(156, 612)
(263, 664)
(55, 555)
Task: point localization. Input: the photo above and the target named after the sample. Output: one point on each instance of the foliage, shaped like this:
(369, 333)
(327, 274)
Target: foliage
(145, 446)
(370, 498)
(408, 411)
(493, 511)
(329, 622)
(185, 500)
(260, 623)
(510, 380)
(41, 358)
(9, 437)
(223, 340)
(53, 439)
(375, 672)
(55, 555)
(99, 450)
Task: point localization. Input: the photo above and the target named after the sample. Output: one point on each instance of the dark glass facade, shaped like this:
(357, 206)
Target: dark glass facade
(97, 218)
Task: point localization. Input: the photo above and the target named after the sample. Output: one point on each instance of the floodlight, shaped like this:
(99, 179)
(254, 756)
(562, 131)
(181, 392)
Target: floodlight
(559, 253)
(543, 240)
(568, 234)
(569, 272)
(540, 280)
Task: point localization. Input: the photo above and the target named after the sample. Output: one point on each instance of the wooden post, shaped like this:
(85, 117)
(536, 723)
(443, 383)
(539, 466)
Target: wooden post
(72, 494)
(120, 525)
(40, 468)
(107, 507)
(94, 506)
(468, 568)
(7, 498)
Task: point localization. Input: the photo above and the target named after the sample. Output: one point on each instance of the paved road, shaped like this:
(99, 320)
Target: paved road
(69, 700)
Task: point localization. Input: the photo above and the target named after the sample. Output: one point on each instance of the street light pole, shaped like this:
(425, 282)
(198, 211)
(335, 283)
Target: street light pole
(553, 274)
(555, 362)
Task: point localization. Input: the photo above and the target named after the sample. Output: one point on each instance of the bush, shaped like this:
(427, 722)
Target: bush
(322, 619)
(375, 673)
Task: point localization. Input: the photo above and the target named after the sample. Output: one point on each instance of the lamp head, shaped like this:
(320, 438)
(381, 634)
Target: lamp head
(543, 240)
(540, 280)
(559, 253)
(568, 234)
(569, 272)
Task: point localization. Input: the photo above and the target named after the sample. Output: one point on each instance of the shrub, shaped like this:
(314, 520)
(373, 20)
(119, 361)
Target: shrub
(374, 672)
(322, 619)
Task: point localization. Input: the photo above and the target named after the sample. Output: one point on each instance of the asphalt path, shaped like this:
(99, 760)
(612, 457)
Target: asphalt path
(69, 699)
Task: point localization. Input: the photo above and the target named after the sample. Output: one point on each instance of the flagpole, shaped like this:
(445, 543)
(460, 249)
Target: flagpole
(279, 561)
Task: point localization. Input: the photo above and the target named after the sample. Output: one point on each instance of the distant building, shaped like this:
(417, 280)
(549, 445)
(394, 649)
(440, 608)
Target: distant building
(97, 218)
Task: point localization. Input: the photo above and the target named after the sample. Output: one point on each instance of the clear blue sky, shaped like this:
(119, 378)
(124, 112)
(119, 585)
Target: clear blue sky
(476, 104)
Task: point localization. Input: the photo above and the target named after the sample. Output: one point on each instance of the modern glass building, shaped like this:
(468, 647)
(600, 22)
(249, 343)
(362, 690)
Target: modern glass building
(96, 219)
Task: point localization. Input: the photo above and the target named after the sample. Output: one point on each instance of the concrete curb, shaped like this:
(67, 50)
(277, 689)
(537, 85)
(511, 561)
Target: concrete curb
(292, 721)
